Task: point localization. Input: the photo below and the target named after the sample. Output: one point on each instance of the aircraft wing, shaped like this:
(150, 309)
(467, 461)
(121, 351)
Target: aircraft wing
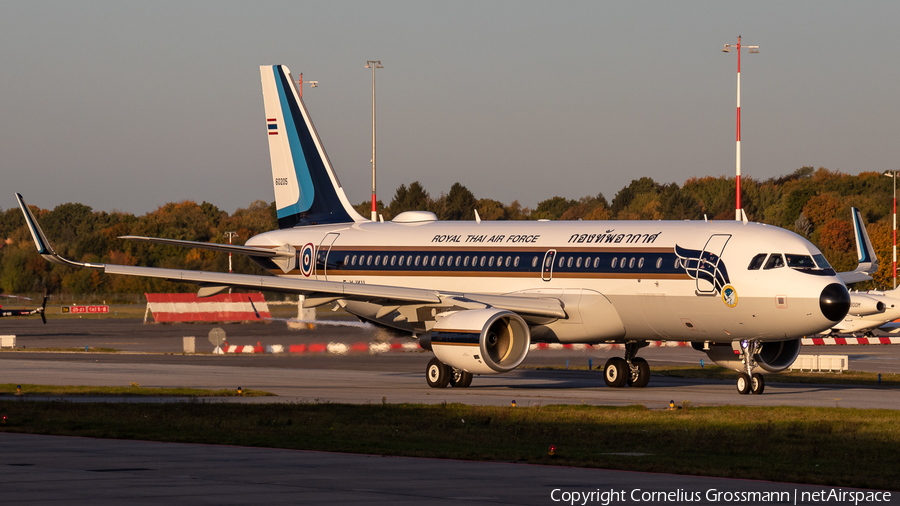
(228, 248)
(318, 292)
(867, 259)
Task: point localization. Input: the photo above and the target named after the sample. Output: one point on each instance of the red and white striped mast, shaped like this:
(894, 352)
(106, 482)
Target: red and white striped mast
(727, 49)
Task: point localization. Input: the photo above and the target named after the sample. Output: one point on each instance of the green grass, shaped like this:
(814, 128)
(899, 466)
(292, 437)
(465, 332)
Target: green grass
(843, 378)
(133, 390)
(721, 373)
(90, 349)
(828, 446)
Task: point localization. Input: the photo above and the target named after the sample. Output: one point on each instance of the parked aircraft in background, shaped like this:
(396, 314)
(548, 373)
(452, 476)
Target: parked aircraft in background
(478, 293)
(873, 309)
(25, 312)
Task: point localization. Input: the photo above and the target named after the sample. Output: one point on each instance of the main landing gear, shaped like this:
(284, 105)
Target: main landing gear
(439, 375)
(632, 370)
(749, 381)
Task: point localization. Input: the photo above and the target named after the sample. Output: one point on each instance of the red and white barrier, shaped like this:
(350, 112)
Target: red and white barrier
(187, 307)
(845, 341)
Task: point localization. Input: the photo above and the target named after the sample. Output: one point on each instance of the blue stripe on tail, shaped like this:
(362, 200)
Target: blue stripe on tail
(318, 204)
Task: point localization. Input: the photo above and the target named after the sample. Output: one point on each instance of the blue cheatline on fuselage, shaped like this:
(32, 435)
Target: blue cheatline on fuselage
(521, 262)
(318, 203)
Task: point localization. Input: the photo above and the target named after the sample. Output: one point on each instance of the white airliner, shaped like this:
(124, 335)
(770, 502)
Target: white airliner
(478, 293)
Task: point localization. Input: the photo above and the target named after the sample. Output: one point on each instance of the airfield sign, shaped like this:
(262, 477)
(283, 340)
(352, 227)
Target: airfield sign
(217, 338)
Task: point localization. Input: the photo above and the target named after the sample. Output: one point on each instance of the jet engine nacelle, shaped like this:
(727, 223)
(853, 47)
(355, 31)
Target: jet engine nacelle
(774, 356)
(862, 305)
(481, 341)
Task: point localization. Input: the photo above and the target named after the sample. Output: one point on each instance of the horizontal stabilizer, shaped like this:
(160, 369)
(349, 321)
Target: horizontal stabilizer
(854, 277)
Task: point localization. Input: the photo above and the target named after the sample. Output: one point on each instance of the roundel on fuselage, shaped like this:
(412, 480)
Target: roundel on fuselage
(306, 259)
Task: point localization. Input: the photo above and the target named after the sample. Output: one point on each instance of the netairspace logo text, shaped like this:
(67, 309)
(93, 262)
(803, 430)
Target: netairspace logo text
(834, 496)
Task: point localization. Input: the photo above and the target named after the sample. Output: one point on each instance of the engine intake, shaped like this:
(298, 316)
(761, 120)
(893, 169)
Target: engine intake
(481, 341)
(774, 356)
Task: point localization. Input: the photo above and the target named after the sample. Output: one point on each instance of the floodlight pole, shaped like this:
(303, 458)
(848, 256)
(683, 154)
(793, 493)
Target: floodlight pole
(230, 235)
(312, 84)
(373, 64)
(893, 174)
(727, 49)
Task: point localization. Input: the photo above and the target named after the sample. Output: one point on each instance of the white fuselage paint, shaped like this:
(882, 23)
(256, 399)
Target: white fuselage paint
(646, 304)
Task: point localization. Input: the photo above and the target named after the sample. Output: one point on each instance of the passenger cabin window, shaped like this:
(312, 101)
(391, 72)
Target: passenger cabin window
(775, 261)
(757, 262)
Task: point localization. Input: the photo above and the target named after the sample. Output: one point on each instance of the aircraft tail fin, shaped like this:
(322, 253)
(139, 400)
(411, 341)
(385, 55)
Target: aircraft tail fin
(868, 260)
(307, 190)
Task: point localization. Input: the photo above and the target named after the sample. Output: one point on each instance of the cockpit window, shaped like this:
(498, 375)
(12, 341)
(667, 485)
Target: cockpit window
(821, 262)
(775, 261)
(757, 262)
(800, 261)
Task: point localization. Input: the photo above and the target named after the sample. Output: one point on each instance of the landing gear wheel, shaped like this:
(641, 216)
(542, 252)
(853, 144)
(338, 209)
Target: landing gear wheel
(460, 378)
(437, 374)
(641, 377)
(757, 384)
(743, 384)
(616, 372)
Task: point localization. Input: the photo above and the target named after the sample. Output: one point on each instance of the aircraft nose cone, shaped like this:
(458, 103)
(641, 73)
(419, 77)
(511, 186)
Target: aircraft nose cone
(835, 302)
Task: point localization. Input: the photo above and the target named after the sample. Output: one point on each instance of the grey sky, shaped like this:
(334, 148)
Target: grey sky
(129, 105)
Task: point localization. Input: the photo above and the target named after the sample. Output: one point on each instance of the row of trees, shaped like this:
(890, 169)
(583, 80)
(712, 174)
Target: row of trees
(813, 203)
